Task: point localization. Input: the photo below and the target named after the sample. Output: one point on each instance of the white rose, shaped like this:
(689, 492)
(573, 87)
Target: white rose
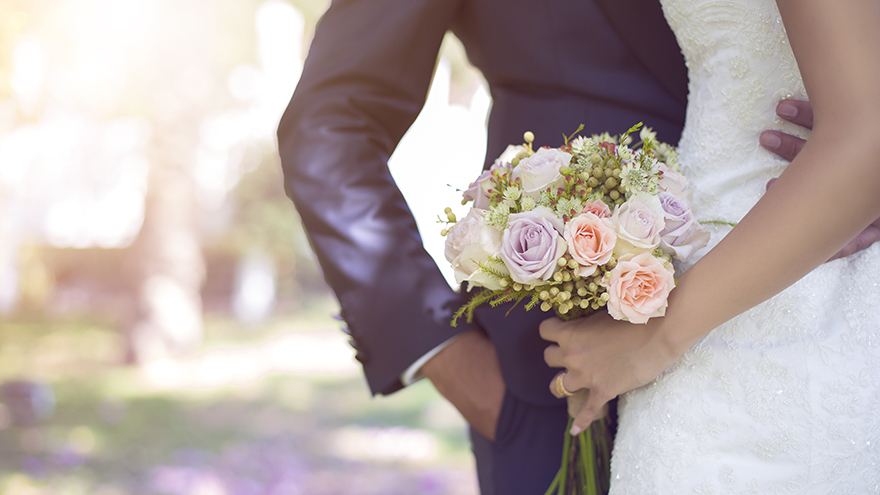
(469, 243)
(541, 170)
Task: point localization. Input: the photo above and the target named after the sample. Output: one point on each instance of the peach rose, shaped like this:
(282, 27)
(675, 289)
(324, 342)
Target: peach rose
(590, 241)
(638, 287)
(598, 208)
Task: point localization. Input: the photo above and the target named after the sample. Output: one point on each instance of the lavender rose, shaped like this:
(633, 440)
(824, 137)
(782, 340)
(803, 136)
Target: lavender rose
(541, 170)
(532, 244)
(479, 190)
(469, 243)
(638, 223)
(682, 235)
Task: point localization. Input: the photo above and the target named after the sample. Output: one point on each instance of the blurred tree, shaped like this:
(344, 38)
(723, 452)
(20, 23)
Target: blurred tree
(196, 44)
(13, 18)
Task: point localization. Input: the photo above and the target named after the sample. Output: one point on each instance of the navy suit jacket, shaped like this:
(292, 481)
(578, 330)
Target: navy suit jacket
(550, 65)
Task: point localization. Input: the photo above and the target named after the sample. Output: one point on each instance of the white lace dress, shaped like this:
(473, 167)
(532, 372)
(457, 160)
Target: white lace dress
(784, 398)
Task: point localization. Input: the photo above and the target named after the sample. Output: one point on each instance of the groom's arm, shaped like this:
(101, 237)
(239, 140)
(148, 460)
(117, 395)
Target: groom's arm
(363, 84)
(788, 147)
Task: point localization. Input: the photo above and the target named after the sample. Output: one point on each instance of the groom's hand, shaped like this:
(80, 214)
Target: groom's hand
(788, 147)
(467, 374)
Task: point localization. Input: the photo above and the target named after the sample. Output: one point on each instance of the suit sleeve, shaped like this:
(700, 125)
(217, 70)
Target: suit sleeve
(364, 82)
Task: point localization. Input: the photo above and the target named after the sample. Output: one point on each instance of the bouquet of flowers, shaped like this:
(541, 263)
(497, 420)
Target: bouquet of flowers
(592, 224)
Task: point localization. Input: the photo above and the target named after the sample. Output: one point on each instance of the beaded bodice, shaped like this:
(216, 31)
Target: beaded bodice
(740, 65)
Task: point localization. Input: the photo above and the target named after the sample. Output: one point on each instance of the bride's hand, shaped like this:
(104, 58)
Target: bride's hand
(605, 356)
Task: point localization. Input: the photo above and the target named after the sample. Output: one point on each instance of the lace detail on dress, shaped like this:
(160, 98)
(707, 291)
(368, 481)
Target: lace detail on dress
(784, 398)
(740, 66)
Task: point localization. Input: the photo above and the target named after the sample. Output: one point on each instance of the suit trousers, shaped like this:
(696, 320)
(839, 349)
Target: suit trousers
(509, 466)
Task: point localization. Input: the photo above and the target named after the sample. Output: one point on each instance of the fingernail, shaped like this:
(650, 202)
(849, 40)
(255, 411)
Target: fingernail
(770, 140)
(786, 110)
(575, 430)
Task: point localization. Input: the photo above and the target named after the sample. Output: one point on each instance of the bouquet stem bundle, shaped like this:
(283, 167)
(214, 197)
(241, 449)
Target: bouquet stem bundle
(586, 460)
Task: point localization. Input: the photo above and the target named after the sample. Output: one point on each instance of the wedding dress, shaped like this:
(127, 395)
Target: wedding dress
(784, 398)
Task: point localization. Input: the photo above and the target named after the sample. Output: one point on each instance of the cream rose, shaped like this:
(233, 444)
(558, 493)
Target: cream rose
(638, 287)
(590, 241)
(541, 170)
(638, 223)
(469, 243)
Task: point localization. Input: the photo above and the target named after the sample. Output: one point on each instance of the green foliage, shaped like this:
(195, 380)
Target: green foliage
(718, 222)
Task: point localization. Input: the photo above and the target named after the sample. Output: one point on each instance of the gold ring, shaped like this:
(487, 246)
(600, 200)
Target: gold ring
(560, 387)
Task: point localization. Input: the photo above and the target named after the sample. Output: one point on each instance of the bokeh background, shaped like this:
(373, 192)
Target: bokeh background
(164, 328)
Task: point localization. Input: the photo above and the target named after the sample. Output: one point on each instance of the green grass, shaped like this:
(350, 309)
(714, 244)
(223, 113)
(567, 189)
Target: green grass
(116, 430)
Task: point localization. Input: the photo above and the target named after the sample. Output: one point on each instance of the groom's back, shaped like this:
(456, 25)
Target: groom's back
(554, 65)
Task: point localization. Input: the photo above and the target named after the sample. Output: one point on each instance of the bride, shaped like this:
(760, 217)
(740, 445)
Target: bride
(764, 375)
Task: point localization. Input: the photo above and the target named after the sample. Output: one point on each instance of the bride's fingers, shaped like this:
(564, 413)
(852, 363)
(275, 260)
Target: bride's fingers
(550, 328)
(553, 357)
(556, 382)
(590, 412)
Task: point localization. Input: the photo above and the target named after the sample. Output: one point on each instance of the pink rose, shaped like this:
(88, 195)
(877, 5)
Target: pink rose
(638, 223)
(598, 208)
(638, 287)
(541, 170)
(531, 245)
(590, 241)
(682, 235)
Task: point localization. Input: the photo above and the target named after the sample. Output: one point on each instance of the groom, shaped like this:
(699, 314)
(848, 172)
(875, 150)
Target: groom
(550, 65)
